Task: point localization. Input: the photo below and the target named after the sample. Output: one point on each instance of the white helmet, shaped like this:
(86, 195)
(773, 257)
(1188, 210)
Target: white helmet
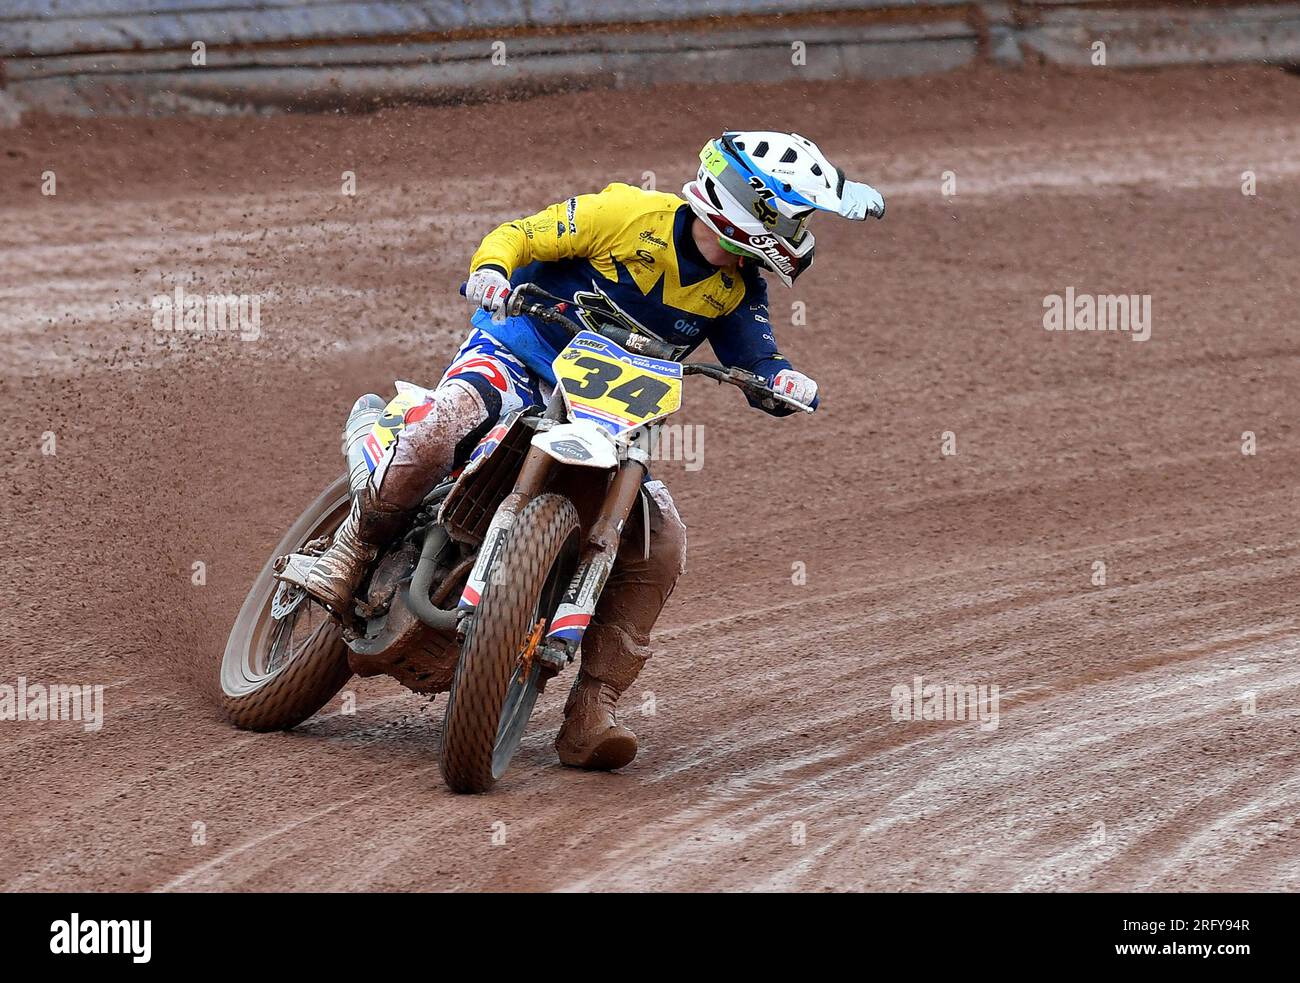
(756, 190)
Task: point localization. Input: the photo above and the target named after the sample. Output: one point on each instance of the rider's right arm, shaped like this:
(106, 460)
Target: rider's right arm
(585, 225)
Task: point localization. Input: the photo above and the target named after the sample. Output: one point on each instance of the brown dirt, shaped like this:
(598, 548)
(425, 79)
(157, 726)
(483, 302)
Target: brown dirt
(1123, 758)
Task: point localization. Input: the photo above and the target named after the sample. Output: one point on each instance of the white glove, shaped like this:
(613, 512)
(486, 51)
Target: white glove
(489, 290)
(795, 385)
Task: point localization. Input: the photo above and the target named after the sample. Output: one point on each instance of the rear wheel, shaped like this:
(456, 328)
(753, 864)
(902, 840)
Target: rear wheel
(495, 687)
(286, 658)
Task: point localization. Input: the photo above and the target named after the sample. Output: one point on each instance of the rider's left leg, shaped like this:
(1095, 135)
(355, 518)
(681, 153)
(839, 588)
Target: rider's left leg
(423, 455)
(483, 383)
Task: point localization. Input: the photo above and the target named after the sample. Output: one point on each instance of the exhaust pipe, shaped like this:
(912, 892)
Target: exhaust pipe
(365, 412)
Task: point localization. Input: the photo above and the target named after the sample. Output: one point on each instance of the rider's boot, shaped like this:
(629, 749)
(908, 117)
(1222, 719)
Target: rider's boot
(370, 526)
(591, 736)
(616, 646)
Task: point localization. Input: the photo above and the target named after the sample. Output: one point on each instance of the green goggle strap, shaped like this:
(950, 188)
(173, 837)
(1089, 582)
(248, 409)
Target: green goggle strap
(737, 250)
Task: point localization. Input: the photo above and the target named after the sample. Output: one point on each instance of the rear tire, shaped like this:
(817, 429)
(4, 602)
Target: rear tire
(525, 584)
(260, 693)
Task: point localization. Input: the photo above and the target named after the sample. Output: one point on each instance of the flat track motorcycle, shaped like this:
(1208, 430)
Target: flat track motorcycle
(489, 591)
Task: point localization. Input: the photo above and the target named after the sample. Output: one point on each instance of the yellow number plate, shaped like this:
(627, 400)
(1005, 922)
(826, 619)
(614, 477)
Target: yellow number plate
(614, 387)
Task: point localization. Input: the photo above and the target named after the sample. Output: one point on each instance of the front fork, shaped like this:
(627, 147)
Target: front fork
(532, 478)
(599, 552)
(601, 549)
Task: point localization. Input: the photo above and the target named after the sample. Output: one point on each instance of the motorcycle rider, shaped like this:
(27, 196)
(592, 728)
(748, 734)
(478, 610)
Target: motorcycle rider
(682, 271)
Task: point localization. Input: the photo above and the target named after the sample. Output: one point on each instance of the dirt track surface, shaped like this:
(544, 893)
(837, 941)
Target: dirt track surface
(1124, 756)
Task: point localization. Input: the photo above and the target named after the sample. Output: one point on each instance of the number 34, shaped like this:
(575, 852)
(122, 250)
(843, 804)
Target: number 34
(640, 394)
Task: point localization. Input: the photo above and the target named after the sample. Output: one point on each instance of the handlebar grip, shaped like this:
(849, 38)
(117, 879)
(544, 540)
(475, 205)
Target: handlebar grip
(638, 343)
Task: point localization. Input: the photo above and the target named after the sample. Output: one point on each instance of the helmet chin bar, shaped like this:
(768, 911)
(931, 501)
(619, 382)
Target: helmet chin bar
(765, 248)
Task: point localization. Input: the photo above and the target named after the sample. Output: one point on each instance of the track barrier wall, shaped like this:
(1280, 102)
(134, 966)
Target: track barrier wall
(134, 56)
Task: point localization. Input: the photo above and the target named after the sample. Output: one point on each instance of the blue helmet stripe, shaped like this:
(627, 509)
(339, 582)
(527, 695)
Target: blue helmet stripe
(742, 159)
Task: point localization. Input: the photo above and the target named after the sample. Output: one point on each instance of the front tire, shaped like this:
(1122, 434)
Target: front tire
(524, 585)
(269, 681)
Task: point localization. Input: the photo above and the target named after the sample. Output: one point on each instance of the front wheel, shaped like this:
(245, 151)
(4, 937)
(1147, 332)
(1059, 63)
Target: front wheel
(278, 671)
(493, 693)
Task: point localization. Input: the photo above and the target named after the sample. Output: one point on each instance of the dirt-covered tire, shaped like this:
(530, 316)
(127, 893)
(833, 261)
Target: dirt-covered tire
(256, 697)
(539, 554)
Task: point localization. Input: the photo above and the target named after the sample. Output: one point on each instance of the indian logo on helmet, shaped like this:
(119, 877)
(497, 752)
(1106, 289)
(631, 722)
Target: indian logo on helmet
(771, 249)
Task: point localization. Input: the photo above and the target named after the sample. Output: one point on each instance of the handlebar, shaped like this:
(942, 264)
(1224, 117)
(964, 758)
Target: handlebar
(550, 308)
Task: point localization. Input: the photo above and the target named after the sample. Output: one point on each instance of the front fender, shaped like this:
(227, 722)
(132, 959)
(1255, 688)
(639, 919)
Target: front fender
(582, 443)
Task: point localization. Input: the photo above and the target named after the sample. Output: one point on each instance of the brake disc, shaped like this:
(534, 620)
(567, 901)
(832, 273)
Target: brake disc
(286, 600)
